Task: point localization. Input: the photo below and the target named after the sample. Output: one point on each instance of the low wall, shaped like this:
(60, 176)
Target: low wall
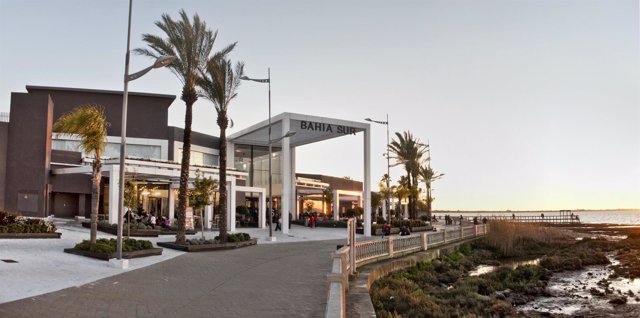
(359, 303)
(391, 249)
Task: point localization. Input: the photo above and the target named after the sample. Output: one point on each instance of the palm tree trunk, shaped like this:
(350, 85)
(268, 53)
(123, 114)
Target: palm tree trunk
(189, 96)
(414, 195)
(223, 123)
(429, 200)
(96, 176)
(409, 196)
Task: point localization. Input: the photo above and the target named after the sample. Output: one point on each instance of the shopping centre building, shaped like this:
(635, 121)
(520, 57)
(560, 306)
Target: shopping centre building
(43, 173)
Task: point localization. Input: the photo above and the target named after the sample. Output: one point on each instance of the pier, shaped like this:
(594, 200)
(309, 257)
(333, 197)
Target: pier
(555, 218)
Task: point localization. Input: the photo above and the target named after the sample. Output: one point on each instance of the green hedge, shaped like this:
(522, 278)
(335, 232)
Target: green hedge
(132, 225)
(110, 245)
(13, 223)
(231, 238)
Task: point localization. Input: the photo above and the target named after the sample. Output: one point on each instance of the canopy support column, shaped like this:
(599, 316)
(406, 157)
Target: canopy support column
(367, 182)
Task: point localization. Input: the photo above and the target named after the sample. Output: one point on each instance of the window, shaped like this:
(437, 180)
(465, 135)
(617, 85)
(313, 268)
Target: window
(111, 149)
(200, 158)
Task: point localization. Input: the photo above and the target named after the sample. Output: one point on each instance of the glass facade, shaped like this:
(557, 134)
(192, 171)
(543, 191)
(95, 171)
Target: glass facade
(246, 157)
(199, 158)
(112, 150)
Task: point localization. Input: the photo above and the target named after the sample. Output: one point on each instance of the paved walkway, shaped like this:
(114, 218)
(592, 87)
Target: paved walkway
(276, 280)
(286, 279)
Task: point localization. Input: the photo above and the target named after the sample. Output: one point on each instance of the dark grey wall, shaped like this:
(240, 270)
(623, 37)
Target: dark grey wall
(198, 139)
(28, 154)
(147, 114)
(65, 204)
(4, 135)
(63, 156)
(73, 183)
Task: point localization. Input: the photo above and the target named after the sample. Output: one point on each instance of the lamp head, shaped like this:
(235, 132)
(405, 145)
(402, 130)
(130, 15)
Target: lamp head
(163, 61)
(368, 119)
(289, 134)
(245, 78)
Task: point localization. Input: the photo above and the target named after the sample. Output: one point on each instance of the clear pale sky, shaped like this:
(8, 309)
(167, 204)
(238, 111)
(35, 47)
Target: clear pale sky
(526, 104)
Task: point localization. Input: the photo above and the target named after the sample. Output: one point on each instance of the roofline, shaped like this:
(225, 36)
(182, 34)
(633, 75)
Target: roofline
(101, 91)
(296, 116)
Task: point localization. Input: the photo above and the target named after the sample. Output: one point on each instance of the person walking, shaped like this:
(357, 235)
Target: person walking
(279, 222)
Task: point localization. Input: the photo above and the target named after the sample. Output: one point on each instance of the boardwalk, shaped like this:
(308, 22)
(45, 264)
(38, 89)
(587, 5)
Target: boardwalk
(277, 280)
(549, 219)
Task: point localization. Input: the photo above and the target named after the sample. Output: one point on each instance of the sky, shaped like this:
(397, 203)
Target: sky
(526, 104)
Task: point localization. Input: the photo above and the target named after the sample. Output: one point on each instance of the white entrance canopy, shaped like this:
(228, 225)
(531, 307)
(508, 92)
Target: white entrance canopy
(308, 129)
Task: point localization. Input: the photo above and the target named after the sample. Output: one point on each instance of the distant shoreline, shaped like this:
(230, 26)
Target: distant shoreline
(533, 211)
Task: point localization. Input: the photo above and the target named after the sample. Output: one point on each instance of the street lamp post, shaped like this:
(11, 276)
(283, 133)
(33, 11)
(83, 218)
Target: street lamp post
(271, 142)
(160, 62)
(431, 176)
(388, 199)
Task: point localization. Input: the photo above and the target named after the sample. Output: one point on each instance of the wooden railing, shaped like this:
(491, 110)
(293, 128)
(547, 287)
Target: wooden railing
(346, 259)
(386, 248)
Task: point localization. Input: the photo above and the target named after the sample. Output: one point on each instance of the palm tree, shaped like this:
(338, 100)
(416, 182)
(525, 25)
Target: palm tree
(219, 83)
(386, 192)
(89, 123)
(408, 151)
(428, 175)
(191, 43)
(399, 192)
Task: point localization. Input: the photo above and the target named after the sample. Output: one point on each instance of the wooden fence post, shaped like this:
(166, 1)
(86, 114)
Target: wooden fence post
(445, 235)
(424, 241)
(390, 242)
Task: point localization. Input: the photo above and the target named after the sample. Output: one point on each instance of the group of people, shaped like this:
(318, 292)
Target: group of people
(386, 230)
(450, 221)
(147, 219)
(476, 221)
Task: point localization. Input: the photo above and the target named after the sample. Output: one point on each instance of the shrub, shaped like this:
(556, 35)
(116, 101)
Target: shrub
(355, 212)
(13, 223)
(110, 245)
(407, 223)
(242, 210)
(234, 238)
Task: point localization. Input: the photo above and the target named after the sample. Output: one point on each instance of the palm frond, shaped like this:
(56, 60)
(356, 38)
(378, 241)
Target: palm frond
(189, 40)
(219, 82)
(89, 123)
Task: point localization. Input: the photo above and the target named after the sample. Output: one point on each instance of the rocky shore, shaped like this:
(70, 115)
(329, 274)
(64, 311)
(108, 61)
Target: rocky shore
(582, 271)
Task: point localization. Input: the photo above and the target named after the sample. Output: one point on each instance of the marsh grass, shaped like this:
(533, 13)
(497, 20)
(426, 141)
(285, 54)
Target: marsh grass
(512, 239)
(443, 288)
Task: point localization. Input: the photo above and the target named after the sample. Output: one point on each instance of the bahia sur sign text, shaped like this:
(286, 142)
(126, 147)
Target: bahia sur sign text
(322, 127)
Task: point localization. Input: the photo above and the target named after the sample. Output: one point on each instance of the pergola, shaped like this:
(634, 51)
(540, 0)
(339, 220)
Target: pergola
(169, 172)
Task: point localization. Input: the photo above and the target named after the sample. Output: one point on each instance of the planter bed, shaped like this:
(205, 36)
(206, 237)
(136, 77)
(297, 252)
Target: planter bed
(330, 224)
(394, 230)
(133, 232)
(55, 235)
(421, 229)
(172, 232)
(107, 256)
(207, 247)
